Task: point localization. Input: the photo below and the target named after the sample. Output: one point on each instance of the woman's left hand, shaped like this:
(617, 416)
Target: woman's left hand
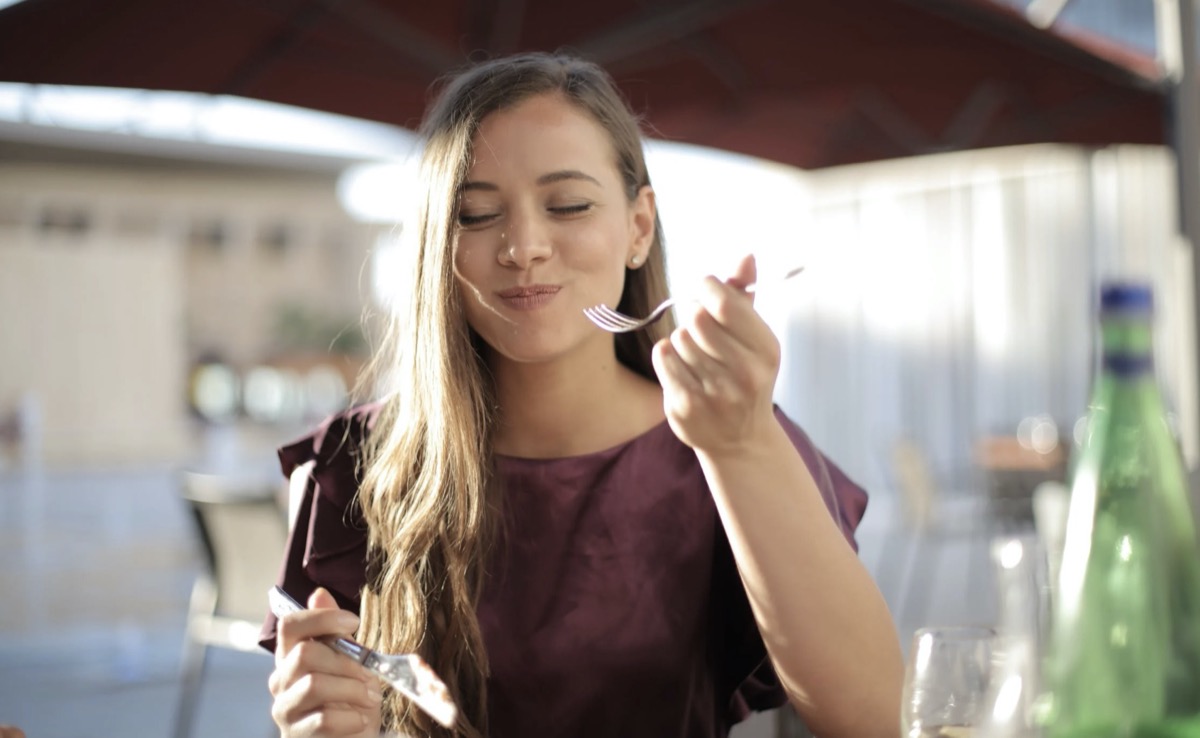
(718, 367)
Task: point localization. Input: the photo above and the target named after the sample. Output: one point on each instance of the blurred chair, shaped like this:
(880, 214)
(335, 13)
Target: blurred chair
(789, 725)
(1051, 501)
(242, 528)
(1014, 466)
(931, 520)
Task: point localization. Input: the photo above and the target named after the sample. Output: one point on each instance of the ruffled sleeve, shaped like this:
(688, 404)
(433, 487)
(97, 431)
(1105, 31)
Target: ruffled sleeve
(327, 545)
(748, 674)
(847, 502)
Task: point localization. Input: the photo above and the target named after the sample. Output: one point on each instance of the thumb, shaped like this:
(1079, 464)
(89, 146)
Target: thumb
(320, 599)
(744, 274)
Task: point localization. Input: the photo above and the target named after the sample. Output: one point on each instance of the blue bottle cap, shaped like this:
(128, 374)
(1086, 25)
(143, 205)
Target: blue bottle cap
(1126, 297)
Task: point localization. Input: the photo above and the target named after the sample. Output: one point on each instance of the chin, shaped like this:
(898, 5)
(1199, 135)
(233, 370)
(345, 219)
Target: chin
(535, 348)
(528, 354)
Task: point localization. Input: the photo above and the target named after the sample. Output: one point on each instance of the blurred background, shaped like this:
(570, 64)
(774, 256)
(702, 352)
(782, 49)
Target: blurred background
(188, 259)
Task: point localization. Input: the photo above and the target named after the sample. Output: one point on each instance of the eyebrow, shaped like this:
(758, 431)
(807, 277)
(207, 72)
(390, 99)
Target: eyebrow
(566, 174)
(545, 179)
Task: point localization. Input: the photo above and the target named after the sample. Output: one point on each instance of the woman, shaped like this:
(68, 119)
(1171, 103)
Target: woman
(584, 534)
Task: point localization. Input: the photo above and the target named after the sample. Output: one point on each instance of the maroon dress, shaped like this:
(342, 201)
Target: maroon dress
(615, 607)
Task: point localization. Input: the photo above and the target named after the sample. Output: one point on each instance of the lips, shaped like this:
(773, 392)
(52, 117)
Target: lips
(529, 297)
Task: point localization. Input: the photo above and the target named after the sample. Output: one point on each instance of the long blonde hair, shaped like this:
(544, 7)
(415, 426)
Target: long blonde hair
(428, 495)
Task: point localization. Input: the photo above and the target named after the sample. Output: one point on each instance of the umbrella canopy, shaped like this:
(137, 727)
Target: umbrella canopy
(811, 83)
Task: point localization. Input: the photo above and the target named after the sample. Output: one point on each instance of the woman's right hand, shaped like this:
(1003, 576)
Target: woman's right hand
(318, 692)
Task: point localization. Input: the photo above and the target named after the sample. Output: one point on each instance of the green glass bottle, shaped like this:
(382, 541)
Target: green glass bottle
(1124, 654)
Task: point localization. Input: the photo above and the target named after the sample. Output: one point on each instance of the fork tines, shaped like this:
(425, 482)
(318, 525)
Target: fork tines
(611, 320)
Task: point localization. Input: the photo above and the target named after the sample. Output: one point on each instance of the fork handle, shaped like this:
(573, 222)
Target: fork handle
(353, 649)
(753, 286)
(283, 603)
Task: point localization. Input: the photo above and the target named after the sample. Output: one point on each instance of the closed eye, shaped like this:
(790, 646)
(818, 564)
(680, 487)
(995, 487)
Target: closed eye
(475, 221)
(569, 210)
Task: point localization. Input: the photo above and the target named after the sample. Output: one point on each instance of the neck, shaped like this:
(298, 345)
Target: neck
(571, 406)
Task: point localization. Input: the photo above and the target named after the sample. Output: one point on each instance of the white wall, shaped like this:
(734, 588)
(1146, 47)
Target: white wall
(93, 332)
(106, 297)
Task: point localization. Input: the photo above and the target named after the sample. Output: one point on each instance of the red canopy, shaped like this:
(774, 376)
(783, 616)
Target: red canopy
(811, 83)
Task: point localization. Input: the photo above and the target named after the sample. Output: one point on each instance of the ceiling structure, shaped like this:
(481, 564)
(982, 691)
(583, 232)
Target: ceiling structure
(812, 83)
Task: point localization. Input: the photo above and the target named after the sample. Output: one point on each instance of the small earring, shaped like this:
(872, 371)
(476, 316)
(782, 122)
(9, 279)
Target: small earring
(635, 260)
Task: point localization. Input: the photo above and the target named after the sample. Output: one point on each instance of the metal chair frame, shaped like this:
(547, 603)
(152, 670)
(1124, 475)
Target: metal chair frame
(228, 600)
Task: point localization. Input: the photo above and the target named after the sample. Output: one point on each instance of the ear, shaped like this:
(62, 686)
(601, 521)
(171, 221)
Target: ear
(642, 213)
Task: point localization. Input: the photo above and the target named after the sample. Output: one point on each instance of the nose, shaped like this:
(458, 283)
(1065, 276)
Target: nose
(524, 241)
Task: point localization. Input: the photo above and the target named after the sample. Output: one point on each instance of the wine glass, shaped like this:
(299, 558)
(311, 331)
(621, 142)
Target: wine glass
(947, 682)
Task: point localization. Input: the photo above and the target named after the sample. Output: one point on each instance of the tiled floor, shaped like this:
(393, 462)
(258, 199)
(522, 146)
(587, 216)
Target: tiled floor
(100, 565)
(91, 628)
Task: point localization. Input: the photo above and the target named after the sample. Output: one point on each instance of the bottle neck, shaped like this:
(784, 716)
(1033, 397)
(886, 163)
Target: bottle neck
(1127, 348)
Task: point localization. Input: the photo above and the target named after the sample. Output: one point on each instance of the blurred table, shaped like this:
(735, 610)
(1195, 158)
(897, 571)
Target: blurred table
(1012, 470)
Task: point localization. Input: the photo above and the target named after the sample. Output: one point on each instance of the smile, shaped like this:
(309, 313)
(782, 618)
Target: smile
(528, 298)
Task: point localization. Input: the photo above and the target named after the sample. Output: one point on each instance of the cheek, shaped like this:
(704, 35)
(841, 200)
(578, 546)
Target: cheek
(471, 262)
(463, 252)
(474, 312)
(598, 248)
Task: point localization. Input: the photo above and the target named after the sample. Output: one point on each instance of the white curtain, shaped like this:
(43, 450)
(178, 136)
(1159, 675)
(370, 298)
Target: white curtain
(948, 297)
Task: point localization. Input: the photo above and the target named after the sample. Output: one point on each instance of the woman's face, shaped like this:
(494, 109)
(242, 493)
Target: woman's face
(545, 229)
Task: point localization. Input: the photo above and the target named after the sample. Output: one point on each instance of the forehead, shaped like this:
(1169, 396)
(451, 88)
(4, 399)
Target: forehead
(541, 134)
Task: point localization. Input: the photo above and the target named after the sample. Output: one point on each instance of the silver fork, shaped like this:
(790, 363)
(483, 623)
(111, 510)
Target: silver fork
(614, 322)
(406, 672)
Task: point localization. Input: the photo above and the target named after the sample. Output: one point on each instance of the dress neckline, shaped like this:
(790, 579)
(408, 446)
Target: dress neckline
(603, 454)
